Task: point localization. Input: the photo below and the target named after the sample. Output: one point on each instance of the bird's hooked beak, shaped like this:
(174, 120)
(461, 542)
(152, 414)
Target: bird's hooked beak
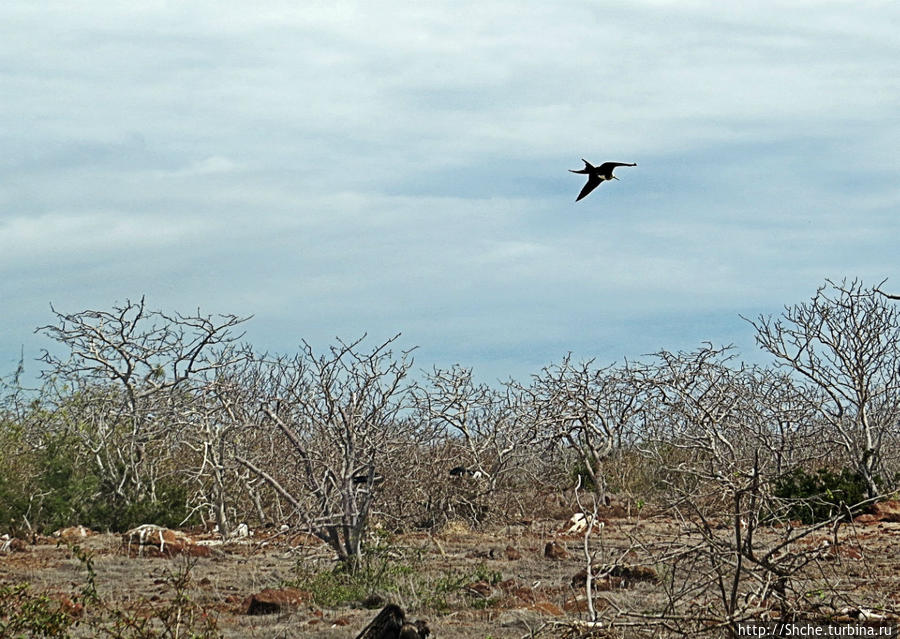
(615, 178)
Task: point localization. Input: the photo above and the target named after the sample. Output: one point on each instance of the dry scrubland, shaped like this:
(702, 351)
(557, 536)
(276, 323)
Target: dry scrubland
(497, 583)
(740, 492)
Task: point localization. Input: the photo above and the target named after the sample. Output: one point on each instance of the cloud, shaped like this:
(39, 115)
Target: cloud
(344, 167)
(207, 166)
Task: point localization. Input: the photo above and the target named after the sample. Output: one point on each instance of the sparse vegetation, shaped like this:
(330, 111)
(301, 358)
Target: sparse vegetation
(392, 573)
(84, 613)
(24, 613)
(148, 417)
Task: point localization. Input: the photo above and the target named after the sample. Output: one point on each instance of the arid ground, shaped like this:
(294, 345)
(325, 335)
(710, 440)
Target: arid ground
(467, 584)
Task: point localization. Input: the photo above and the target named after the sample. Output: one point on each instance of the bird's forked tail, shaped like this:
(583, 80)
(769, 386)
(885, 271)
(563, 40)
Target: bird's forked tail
(588, 167)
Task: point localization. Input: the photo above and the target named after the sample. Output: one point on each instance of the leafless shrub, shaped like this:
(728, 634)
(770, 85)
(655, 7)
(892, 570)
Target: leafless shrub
(219, 420)
(726, 435)
(338, 430)
(121, 382)
(587, 412)
(845, 344)
(485, 432)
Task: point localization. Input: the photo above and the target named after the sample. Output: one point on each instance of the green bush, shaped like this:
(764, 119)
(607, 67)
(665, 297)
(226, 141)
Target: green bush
(118, 514)
(53, 488)
(67, 490)
(13, 503)
(820, 495)
(15, 468)
(23, 613)
(376, 572)
(578, 472)
(387, 573)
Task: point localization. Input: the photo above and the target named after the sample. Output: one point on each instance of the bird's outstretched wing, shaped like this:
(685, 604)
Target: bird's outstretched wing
(385, 625)
(592, 183)
(609, 166)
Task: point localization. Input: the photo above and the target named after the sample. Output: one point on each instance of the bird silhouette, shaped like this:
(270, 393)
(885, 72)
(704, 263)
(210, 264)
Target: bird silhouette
(597, 174)
(391, 623)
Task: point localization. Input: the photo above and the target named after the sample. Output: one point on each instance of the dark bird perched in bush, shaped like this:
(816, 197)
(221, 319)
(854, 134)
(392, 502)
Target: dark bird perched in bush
(462, 471)
(360, 480)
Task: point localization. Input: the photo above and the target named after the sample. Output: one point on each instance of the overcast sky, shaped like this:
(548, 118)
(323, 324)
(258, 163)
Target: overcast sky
(335, 168)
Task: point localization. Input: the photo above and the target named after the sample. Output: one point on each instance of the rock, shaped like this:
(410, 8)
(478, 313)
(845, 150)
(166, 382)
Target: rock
(888, 510)
(481, 588)
(303, 539)
(555, 550)
(524, 593)
(273, 601)
(517, 592)
(73, 609)
(455, 528)
(598, 584)
(615, 577)
(614, 511)
(578, 603)
(633, 574)
(579, 579)
(609, 583)
(73, 534)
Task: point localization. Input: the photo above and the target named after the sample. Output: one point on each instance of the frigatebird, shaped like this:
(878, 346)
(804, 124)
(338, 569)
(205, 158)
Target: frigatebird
(391, 623)
(597, 174)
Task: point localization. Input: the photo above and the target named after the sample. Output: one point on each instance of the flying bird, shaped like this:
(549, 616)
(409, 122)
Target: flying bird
(391, 623)
(597, 174)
